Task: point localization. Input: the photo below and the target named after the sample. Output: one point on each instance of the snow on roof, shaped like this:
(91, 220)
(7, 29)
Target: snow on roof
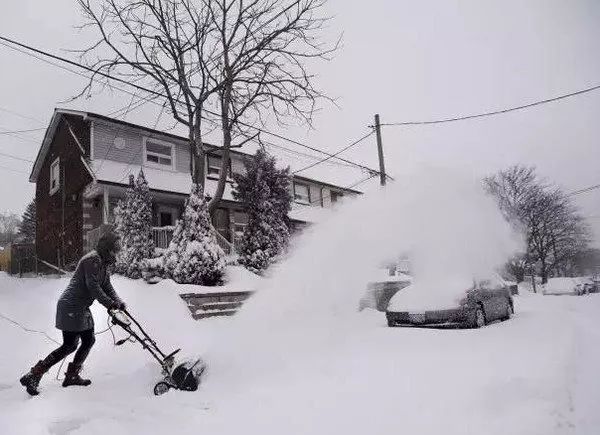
(158, 179)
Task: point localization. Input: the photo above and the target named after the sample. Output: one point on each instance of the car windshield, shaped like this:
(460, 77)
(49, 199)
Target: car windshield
(431, 295)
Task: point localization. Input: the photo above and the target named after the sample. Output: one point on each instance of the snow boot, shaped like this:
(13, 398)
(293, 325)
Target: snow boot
(31, 380)
(72, 377)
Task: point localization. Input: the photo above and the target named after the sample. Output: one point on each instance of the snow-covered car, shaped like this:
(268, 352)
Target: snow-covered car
(382, 288)
(464, 303)
(568, 286)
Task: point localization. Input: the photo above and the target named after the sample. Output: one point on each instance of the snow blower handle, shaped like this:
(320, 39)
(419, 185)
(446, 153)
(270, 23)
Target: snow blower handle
(119, 317)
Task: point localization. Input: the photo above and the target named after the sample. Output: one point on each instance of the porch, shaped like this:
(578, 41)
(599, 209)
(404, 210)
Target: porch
(101, 200)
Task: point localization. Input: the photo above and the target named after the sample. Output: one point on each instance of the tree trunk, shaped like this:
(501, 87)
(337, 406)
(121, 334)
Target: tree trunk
(544, 270)
(226, 126)
(197, 155)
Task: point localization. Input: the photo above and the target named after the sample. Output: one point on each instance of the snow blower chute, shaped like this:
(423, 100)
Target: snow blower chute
(183, 376)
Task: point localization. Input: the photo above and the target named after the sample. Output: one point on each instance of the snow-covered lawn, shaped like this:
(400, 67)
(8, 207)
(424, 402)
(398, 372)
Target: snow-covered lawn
(535, 374)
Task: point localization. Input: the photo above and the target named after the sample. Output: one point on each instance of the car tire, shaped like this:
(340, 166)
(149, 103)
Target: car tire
(390, 323)
(479, 319)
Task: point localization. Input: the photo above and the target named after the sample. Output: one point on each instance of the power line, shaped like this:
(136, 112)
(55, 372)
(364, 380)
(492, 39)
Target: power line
(347, 147)
(159, 94)
(12, 112)
(495, 112)
(23, 138)
(20, 131)
(16, 157)
(4, 168)
(584, 190)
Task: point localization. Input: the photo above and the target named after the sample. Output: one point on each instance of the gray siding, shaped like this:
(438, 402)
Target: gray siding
(104, 135)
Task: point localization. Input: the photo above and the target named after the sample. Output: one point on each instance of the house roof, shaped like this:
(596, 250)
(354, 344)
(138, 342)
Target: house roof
(58, 113)
(47, 140)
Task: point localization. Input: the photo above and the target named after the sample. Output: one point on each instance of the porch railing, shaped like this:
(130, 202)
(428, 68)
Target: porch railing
(225, 244)
(162, 236)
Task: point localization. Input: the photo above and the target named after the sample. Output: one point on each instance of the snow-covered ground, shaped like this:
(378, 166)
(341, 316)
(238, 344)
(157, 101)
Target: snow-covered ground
(535, 374)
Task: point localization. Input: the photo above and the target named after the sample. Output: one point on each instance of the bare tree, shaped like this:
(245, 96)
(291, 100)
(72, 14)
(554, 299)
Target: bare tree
(247, 60)
(161, 46)
(9, 226)
(264, 48)
(554, 230)
(515, 189)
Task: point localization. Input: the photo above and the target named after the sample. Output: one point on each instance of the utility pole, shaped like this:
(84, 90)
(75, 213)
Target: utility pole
(382, 177)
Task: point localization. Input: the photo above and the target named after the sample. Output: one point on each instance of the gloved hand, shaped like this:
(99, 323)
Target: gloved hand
(118, 305)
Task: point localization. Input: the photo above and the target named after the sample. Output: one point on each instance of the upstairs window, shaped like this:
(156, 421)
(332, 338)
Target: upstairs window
(159, 154)
(55, 176)
(213, 167)
(301, 193)
(336, 196)
(240, 222)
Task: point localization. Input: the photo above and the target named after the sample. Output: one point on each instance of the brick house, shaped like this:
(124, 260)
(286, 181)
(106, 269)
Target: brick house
(82, 170)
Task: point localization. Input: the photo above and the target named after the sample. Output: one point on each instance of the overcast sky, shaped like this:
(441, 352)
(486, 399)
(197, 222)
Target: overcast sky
(405, 60)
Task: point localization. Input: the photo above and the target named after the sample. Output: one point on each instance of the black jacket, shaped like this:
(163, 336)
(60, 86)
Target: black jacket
(90, 281)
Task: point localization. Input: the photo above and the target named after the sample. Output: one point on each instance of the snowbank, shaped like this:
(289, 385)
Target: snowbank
(560, 286)
(375, 380)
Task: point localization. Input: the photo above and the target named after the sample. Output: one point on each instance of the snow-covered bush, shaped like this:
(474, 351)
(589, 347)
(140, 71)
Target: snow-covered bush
(153, 268)
(265, 190)
(133, 225)
(194, 256)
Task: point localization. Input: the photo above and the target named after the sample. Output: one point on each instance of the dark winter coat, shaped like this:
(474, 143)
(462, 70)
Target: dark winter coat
(90, 281)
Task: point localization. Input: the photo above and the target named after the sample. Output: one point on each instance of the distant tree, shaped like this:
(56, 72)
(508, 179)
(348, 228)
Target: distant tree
(585, 262)
(265, 191)
(9, 226)
(28, 224)
(194, 256)
(553, 228)
(133, 224)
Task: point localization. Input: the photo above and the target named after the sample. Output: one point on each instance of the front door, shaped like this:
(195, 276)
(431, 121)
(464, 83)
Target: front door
(167, 216)
(221, 222)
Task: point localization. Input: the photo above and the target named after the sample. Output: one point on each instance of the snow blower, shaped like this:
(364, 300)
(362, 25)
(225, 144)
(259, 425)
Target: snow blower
(183, 376)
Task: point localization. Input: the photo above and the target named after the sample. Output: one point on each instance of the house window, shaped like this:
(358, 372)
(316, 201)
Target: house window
(55, 176)
(165, 219)
(336, 196)
(301, 193)
(159, 153)
(240, 222)
(167, 216)
(213, 167)
(237, 166)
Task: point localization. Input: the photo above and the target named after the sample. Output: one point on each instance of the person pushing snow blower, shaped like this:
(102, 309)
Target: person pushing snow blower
(90, 282)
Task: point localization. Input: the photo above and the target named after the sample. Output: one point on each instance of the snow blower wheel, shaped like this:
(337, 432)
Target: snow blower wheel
(161, 388)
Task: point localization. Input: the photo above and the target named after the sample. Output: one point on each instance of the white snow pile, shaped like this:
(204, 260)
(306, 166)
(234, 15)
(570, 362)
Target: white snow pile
(557, 286)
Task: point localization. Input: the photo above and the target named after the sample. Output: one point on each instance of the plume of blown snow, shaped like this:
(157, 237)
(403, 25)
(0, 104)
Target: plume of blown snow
(444, 220)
